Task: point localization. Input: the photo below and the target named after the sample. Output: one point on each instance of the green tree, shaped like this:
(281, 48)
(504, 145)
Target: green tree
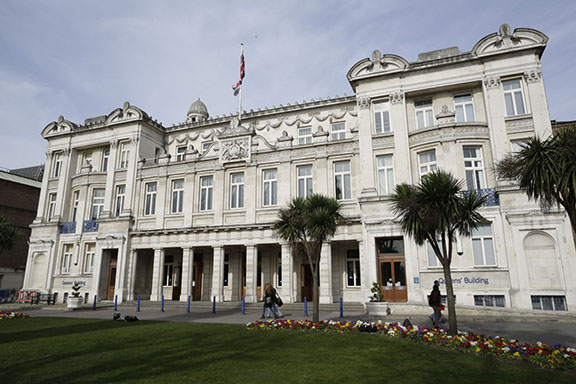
(546, 170)
(436, 211)
(8, 234)
(306, 224)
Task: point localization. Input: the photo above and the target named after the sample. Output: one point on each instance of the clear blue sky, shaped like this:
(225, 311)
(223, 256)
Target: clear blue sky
(82, 59)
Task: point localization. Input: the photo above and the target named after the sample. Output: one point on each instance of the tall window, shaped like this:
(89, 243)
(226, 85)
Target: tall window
(432, 258)
(474, 166)
(305, 188)
(385, 175)
(89, 257)
(51, 205)
(177, 196)
(97, 203)
(427, 162)
(181, 153)
(270, 187)
(75, 202)
(57, 169)
(105, 159)
(483, 245)
(67, 258)
(338, 131)
(464, 108)
(353, 268)
(206, 185)
(382, 117)
(342, 180)
(304, 135)
(168, 279)
(513, 97)
(124, 155)
(150, 200)
(424, 113)
(120, 195)
(237, 190)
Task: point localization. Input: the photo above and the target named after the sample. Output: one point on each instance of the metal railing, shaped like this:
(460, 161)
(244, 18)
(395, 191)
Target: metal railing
(90, 226)
(68, 227)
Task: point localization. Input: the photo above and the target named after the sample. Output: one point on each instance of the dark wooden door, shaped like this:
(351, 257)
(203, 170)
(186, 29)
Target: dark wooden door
(307, 283)
(197, 281)
(393, 280)
(112, 277)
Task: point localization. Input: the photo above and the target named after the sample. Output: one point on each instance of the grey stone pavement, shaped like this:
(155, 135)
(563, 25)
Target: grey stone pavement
(546, 329)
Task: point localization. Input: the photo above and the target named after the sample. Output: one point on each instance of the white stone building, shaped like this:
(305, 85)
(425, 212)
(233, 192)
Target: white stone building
(132, 208)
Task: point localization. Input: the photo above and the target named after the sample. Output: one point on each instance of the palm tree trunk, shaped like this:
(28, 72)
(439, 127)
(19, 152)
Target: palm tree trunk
(316, 302)
(451, 304)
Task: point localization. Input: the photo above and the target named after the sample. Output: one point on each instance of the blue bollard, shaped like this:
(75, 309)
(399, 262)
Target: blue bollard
(213, 304)
(115, 303)
(341, 309)
(188, 308)
(305, 306)
(94, 305)
(243, 306)
(162, 305)
(138, 306)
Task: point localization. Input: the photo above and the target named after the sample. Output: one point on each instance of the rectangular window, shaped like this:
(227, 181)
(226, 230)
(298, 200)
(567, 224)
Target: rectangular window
(181, 153)
(89, 257)
(150, 200)
(168, 279)
(304, 135)
(51, 205)
(124, 155)
(382, 117)
(97, 203)
(305, 188)
(489, 301)
(338, 131)
(517, 145)
(120, 195)
(474, 166)
(427, 162)
(513, 97)
(57, 169)
(483, 245)
(67, 258)
(385, 175)
(353, 268)
(237, 190)
(226, 269)
(549, 303)
(270, 187)
(206, 184)
(105, 159)
(75, 202)
(424, 113)
(464, 108)
(432, 258)
(342, 180)
(177, 196)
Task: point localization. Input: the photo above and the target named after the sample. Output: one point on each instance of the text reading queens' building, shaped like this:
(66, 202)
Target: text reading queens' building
(132, 208)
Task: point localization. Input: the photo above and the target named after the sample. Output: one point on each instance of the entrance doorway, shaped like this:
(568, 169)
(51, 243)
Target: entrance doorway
(307, 283)
(197, 278)
(392, 269)
(112, 267)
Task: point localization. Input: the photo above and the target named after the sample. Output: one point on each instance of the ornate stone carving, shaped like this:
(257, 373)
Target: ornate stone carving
(446, 116)
(396, 97)
(533, 75)
(492, 82)
(363, 102)
(66, 152)
(134, 140)
(235, 149)
(285, 137)
(49, 154)
(113, 144)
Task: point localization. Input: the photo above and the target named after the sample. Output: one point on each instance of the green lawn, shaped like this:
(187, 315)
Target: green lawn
(52, 350)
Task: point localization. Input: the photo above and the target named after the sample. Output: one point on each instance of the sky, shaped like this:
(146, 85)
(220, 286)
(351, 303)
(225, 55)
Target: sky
(82, 59)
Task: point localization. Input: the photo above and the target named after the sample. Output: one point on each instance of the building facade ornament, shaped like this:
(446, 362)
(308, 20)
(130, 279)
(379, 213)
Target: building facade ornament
(235, 149)
(492, 82)
(363, 102)
(113, 144)
(396, 97)
(533, 76)
(446, 116)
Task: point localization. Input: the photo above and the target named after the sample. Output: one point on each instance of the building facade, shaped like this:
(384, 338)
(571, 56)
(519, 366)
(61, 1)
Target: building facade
(131, 208)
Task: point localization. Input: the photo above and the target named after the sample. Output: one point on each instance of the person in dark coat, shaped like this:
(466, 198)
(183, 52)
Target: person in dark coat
(435, 301)
(270, 302)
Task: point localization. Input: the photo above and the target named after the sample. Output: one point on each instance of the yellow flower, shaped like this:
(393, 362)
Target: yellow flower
(477, 349)
(516, 354)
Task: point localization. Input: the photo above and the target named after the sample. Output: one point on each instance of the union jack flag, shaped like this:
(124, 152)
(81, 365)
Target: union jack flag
(238, 85)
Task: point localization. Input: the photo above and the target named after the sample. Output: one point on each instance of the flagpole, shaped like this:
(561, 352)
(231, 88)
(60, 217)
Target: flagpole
(240, 92)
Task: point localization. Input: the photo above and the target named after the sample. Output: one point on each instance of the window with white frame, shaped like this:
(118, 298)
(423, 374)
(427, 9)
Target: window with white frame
(483, 246)
(181, 153)
(67, 254)
(432, 258)
(464, 107)
(75, 203)
(342, 180)
(489, 301)
(237, 190)
(382, 117)
(120, 195)
(424, 113)
(474, 167)
(353, 268)
(105, 160)
(549, 303)
(305, 187)
(513, 97)
(168, 276)
(269, 187)
(57, 168)
(89, 257)
(51, 205)
(124, 155)
(338, 131)
(304, 135)
(206, 192)
(385, 175)
(427, 162)
(177, 196)
(517, 145)
(97, 203)
(150, 199)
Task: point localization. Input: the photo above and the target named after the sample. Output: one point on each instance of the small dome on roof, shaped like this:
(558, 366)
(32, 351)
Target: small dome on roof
(197, 111)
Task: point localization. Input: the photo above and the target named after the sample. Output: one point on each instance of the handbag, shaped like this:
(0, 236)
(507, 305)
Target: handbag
(442, 307)
(279, 301)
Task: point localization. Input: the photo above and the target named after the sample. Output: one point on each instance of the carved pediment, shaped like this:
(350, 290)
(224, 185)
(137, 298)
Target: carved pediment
(377, 65)
(60, 126)
(235, 130)
(126, 113)
(237, 149)
(506, 40)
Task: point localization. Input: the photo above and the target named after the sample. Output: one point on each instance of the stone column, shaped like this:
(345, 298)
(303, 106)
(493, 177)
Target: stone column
(251, 273)
(63, 186)
(496, 114)
(187, 273)
(132, 274)
(326, 274)
(538, 103)
(121, 272)
(131, 176)
(157, 275)
(218, 274)
(110, 190)
(287, 274)
(399, 126)
(366, 153)
(44, 191)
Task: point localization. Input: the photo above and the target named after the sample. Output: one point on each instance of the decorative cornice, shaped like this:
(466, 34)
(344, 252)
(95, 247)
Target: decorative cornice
(396, 97)
(533, 76)
(492, 82)
(363, 102)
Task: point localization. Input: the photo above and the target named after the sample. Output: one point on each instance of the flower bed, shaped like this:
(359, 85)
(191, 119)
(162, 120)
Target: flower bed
(555, 356)
(13, 315)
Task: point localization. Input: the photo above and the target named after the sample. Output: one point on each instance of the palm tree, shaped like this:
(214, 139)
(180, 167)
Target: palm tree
(306, 224)
(546, 170)
(436, 211)
(8, 234)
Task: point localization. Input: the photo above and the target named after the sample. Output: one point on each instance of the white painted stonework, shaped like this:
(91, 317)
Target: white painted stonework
(187, 210)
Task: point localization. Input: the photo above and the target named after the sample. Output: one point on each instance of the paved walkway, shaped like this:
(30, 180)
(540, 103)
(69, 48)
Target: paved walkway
(530, 330)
